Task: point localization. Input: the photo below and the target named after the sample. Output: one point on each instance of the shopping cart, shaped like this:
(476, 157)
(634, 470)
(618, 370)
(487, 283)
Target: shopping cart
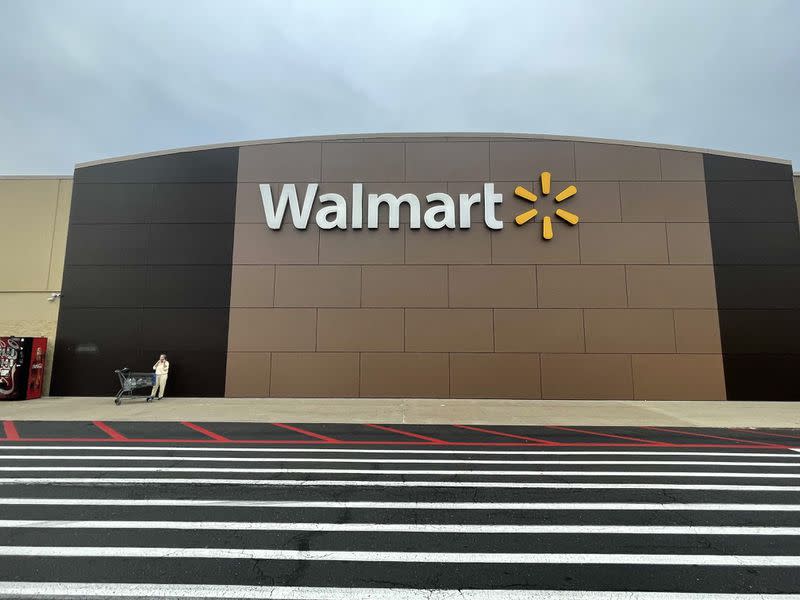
(130, 382)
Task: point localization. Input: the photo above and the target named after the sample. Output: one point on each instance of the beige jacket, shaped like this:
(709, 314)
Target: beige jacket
(161, 368)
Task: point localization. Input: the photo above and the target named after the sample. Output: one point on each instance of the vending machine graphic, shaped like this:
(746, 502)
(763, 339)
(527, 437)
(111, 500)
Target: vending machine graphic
(22, 361)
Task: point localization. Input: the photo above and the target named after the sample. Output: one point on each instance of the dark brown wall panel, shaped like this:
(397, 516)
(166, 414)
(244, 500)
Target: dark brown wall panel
(761, 376)
(186, 286)
(756, 247)
(148, 270)
(727, 168)
(106, 244)
(112, 203)
(192, 202)
(104, 286)
(752, 202)
(755, 243)
(218, 165)
(191, 244)
(758, 286)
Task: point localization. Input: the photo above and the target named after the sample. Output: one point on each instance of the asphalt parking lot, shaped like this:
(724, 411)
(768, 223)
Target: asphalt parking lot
(328, 511)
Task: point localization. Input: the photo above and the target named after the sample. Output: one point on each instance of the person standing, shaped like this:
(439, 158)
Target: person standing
(162, 372)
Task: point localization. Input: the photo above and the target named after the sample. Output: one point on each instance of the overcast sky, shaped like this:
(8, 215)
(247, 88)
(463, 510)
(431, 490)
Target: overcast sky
(84, 80)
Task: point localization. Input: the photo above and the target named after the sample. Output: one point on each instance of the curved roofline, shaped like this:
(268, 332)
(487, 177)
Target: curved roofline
(357, 137)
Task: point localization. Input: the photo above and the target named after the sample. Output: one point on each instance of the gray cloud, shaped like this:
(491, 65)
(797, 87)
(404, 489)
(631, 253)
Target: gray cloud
(92, 79)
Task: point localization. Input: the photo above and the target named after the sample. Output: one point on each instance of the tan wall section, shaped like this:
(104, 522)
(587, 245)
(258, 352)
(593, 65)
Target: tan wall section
(35, 215)
(621, 306)
(797, 191)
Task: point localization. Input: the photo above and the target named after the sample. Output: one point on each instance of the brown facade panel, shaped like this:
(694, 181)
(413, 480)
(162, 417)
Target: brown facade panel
(448, 330)
(697, 331)
(524, 245)
(363, 161)
(362, 247)
(538, 330)
(492, 286)
(610, 162)
(314, 374)
(654, 201)
(582, 286)
(678, 377)
(596, 201)
(317, 286)
(249, 206)
(689, 243)
(623, 243)
(254, 244)
(524, 160)
(252, 286)
(247, 375)
(495, 376)
(671, 286)
(467, 246)
(445, 161)
(292, 161)
(360, 330)
(677, 165)
(411, 286)
(586, 377)
(629, 331)
(272, 329)
(628, 296)
(405, 375)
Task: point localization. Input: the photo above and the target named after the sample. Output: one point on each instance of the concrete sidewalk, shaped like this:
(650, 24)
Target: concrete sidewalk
(411, 410)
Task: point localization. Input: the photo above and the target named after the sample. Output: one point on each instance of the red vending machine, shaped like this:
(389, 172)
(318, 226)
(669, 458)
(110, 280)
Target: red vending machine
(22, 367)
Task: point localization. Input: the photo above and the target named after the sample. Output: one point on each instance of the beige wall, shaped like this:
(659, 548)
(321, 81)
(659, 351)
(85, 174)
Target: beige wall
(34, 213)
(797, 191)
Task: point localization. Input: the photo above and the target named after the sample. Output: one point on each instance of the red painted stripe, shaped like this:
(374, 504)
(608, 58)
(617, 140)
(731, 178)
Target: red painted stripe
(10, 430)
(407, 433)
(759, 432)
(508, 435)
(110, 431)
(713, 437)
(233, 442)
(609, 435)
(318, 436)
(206, 432)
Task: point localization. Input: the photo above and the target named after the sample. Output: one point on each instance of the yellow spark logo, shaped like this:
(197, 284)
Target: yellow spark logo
(547, 224)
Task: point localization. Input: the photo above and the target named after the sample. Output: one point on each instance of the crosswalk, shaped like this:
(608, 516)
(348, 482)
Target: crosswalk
(336, 523)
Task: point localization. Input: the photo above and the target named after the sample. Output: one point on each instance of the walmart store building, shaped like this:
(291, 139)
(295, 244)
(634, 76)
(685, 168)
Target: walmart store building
(478, 266)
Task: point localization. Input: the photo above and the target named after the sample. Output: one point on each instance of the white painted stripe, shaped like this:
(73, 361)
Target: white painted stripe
(14, 589)
(377, 483)
(590, 506)
(113, 447)
(404, 472)
(167, 458)
(744, 560)
(200, 526)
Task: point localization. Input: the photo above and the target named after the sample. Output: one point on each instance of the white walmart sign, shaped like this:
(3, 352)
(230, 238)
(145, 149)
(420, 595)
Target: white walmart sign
(441, 211)
(333, 214)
